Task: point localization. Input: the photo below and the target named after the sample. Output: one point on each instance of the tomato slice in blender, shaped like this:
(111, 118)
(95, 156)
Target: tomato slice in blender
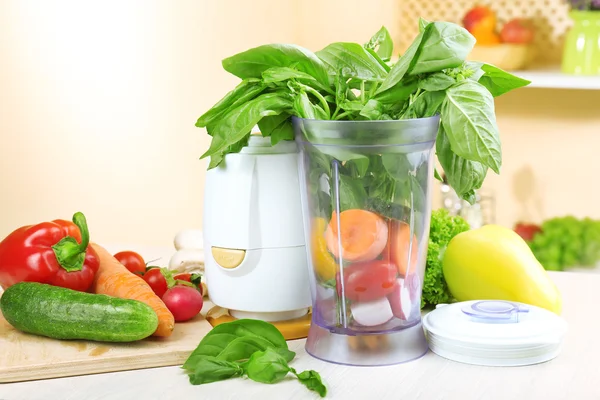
(370, 281)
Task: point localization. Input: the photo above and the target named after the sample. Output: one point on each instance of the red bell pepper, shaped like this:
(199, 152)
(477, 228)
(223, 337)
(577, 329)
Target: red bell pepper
(55, 253)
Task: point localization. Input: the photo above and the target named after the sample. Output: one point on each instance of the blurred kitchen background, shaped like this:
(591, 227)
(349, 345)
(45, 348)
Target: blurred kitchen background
(99, 99)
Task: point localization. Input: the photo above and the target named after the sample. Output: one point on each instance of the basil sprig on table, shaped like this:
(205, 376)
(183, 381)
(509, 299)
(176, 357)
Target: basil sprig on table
(246, 347)
(349, 81)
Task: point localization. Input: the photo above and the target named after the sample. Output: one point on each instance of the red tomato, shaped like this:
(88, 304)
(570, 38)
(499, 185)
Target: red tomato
(370, 281)
(155, 278)
(194, 279)
(132, 261)
(184, 302)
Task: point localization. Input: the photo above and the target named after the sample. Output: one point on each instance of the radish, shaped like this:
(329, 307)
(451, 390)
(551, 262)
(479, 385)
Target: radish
(184, 302)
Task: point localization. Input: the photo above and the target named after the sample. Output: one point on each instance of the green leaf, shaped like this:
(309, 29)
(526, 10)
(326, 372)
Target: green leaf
(402, 66)
(352, 193)
(238, 123)
(469, 121)
(243, 347)
(267, 367)
(252, 63)
(278, 127)
(279, 74)
(498, 81)
(444, 45)
(436, 175)
(358, 167)
(219, 338)
(382, 43)
(372, 110)
(245, 91)
(209, 369)
(427, 104)
(436, 81)
(312, 380)
(398, 166)
(464, 176)
(475, 68)
(399, 94)
(304, 108)
(353, 60)
(423, 24)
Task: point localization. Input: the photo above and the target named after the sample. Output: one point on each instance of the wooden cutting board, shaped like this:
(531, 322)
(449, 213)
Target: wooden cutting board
(25, 357)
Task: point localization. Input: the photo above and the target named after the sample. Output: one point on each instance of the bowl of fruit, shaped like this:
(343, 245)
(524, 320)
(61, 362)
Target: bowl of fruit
(507, 45)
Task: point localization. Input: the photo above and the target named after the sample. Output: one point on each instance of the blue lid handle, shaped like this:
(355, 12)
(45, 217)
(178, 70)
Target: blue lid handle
(494, 311)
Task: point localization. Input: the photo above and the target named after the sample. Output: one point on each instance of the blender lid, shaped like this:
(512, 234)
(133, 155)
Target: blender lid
(494, 333)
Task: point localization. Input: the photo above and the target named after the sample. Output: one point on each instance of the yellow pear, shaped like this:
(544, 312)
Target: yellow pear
(495, 263)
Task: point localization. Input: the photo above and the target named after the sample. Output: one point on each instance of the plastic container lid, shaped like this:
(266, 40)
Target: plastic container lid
(494, 333)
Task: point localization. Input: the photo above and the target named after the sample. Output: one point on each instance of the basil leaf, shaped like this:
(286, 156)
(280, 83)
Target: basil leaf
(436, 81)
(267, 367)
(243, 347)
(245, 91)
(475, 68)
(358, 167)
(469, 120)
(217, 340)
(381, 43)
(404, 63)
(498, 81)
(278, 127)
(372, 110)
(252, 63)
(423, 24)
(305, 109)
(352, 193)
(398, 94)
(279, 74)
(427, 104)
(237, 123)
(444, 45)
(312, 380)
(353, 61)
(209, 369)
(464, 176)
(398, 166)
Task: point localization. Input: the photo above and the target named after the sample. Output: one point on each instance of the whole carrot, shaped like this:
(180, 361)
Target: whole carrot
(113, 279)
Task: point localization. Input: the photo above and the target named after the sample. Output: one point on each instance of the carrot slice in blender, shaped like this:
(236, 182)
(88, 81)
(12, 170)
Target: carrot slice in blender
(363, 235)
(398, 247)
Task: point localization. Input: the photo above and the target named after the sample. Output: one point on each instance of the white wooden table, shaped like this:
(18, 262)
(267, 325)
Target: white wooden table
(573, 375)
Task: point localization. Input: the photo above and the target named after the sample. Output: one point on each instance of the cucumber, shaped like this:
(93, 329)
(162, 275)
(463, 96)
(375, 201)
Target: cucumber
(61, 313)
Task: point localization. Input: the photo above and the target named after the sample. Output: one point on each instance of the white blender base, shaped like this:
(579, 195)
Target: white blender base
(269, 316)
(392, 348)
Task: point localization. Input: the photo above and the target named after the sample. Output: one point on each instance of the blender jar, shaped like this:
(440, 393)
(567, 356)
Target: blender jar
(365, 188)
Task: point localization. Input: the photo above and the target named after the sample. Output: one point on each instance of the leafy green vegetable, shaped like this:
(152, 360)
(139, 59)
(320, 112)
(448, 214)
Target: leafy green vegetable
(443, 228)
(381, 42)
(353, 82)
(470, 123)
(237, 340)
(353, 60)
(252, 63)
(267, 367)
(210, 369)
(246, 347)
(498, 81)
(567, 242)
(270, 367)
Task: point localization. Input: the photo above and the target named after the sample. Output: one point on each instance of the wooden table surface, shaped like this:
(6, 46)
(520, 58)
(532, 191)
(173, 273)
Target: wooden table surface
(574, 374)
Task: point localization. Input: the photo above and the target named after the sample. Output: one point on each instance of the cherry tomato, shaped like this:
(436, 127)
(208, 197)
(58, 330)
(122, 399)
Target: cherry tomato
(155, 278)
(194, 279)
(184, 302)
(132, 261)
(370, 280)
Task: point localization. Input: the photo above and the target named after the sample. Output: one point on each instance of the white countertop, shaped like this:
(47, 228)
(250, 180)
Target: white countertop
(572, 375)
